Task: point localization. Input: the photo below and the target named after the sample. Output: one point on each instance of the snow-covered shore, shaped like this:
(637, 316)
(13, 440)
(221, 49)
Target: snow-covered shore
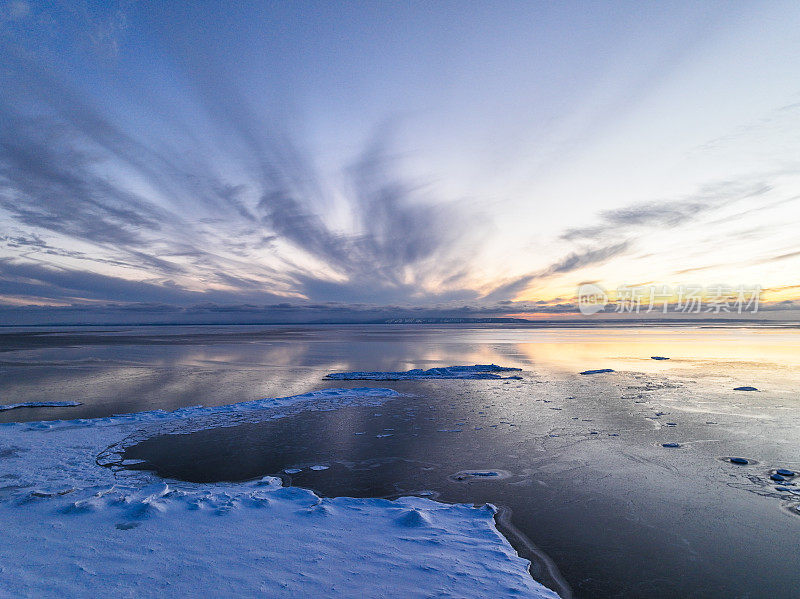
(73, 528)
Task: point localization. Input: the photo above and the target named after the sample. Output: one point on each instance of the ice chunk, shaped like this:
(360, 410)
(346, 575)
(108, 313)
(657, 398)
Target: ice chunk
(39, 404)
(478, 371)
(480, 475)
(269, 481)
(51, 492)
(598, 371)
(745, 389)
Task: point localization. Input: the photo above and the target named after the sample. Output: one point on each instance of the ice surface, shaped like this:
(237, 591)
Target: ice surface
(72, 528)
(478, 371)
(39, 404)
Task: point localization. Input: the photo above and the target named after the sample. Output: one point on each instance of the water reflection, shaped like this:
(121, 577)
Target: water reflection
(115, 371)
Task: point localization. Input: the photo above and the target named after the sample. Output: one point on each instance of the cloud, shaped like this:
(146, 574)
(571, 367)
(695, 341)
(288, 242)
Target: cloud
(572, 262)
(282, 312)
(560, 311)
(96, 26)
(577, 260)
(401, 242)
(624, 221)
(17, 9)
(779, 257)
(73, 176)
(49, 185)
(57, 283)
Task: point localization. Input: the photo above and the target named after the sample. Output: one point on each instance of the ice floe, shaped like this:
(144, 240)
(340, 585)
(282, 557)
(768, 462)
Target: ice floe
(478, 371)
(466, 475)
(39, 404)
(73, 528)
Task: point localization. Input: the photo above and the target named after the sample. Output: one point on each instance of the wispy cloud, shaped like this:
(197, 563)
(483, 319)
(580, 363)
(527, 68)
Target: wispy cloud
(68, 173)
(669, 213)
(779, 257)
(572, 262)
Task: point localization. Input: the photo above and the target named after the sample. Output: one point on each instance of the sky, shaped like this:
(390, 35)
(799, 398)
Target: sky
(320, 160)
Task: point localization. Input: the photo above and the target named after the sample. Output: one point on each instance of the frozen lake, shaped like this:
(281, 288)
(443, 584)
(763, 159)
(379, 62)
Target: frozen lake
(579, 459)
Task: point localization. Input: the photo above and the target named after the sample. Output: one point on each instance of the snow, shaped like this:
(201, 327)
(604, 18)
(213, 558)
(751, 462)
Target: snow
(72, 528)
(478, 371)
(39, 404)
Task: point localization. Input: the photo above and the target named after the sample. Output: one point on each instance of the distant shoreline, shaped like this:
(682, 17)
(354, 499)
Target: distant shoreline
(515, 322)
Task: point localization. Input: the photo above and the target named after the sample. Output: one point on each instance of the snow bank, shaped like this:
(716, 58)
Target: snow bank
(72, 528)
(478, 371)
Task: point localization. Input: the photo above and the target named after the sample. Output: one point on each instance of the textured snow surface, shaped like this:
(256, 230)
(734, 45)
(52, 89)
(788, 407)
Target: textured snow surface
(71, 528)
(478, 371)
